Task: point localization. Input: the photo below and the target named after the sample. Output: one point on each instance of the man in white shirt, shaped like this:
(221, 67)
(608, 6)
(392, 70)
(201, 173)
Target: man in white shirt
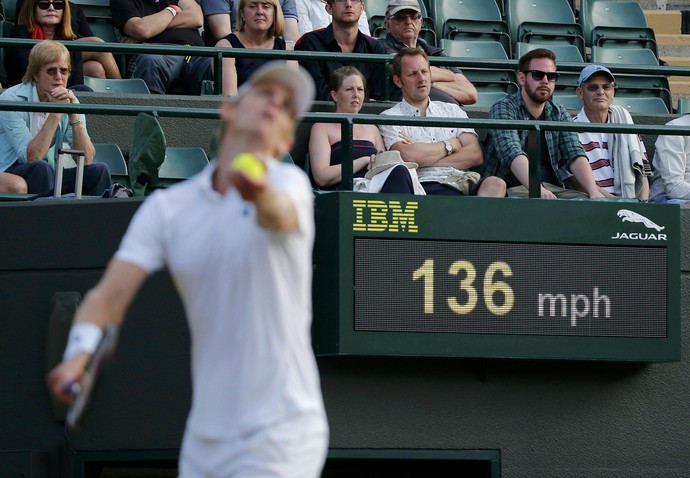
(239, 249)
(312, 15)
(671, 181)
(619, 160)
(444, 155)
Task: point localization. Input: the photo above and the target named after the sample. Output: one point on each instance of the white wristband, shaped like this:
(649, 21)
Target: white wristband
(83, 337)
(172, 10)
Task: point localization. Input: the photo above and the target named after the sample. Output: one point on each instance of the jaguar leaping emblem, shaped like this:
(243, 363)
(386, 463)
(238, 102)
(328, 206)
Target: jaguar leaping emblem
(627, 215)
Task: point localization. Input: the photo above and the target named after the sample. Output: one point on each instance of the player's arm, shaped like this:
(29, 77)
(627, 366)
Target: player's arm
(103, 305)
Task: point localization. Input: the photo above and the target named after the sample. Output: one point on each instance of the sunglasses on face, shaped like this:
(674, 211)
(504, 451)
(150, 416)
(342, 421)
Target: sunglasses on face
(401, 17)
(54, 71)
(539, 75)
(593, 87)
(45, 4)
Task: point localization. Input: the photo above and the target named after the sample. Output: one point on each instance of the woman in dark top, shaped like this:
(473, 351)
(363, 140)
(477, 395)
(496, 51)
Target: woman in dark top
(348, 90)
(260, 25)
(55, 20)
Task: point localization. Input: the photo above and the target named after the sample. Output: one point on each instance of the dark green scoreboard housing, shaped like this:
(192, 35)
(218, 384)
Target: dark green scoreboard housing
(502, 278)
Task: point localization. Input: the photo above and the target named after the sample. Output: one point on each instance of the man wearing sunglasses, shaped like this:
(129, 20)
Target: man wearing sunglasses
(618, 160)
(174, 22)
(403, 21)
(565, 171)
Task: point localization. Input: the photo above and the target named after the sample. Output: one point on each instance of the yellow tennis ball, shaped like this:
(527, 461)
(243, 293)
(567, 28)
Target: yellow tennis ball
(248, 164)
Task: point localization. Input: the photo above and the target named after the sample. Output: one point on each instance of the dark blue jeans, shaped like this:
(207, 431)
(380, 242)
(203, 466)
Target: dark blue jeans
(40, 178)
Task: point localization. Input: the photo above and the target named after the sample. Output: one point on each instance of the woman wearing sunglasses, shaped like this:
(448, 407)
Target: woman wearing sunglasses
(53, 20)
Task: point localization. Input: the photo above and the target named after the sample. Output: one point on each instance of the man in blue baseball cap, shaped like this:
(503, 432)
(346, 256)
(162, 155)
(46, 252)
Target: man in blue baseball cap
(618, 160)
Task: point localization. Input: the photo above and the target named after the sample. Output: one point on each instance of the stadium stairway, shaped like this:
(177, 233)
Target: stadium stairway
(673, 38)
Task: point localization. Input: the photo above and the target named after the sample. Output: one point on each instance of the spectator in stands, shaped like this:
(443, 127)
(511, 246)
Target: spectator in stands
(42, 20)
(671, 180)
(348, 89)
(260, 26)
(291, 30)
(242, 260)
(30, 141)
(507, 151)
(342, 35)
(403, 21)
(444, 155)
(163, 21)
(312, 15)
(96, 64)
(619, 160)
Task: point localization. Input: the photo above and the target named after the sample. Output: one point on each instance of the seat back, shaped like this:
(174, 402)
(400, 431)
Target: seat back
(470, 19)
(95, 8)
(642, 104)
(181, 163)
(621, 21)
(564, 52)
(486, 49)
(111, 154)
(624, 56)
(553, 18)
(492, 85)
(5, 30)
(9, 10)
(122, 86)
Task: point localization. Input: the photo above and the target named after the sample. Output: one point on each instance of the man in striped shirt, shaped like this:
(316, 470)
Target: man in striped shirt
(618, 160)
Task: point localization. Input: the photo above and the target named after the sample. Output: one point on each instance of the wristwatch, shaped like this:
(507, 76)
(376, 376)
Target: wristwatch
(448, 146)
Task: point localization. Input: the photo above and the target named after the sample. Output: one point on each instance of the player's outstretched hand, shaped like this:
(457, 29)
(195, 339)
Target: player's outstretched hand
(61, 379)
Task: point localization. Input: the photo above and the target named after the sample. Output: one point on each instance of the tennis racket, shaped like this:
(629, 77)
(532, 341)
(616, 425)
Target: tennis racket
(82, 392)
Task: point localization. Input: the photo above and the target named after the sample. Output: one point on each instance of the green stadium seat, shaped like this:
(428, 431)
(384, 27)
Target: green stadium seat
(624, 56)
(470, 20)
(641, 104)
(683, 105)
(95, 8)
(9, 10)
(5, 30)
(564, 52)
(181, 163)
(644, 86)
(542, 21)
(111, 154)
(479, 49)
(568, 99)
(121, 86)
(492, 85)
(104, 29)
(620, 22)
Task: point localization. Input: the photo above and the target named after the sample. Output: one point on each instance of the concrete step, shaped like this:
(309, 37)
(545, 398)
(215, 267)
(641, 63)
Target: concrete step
(673, 45)
(664, 21)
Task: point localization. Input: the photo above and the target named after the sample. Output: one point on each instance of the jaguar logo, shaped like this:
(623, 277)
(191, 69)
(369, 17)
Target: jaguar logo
(627, 215)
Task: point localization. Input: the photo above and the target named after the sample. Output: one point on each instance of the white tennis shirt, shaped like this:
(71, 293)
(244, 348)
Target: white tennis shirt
(247, 296)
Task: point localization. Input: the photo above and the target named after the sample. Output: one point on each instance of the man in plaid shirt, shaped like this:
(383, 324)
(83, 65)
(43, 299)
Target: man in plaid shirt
(564, 164)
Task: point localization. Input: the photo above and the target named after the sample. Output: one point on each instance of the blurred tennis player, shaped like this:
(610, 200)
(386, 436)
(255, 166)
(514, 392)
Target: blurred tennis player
(239, 250)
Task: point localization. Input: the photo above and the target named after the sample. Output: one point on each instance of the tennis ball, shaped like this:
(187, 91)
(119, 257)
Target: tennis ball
(248, 164)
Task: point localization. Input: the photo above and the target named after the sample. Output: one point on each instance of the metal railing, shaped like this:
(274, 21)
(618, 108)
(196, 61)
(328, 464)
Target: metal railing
(347, 121)
(217, 54)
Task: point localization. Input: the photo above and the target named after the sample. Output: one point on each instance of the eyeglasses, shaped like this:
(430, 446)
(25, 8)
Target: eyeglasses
(539, 75)
(401, 17)
(45, 4)
(53, 71)
(594, 87)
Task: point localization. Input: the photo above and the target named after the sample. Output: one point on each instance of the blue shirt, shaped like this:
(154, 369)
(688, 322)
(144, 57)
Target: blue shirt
(15, 129)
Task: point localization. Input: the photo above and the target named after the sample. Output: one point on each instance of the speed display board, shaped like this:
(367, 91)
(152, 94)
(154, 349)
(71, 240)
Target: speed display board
(478, 277)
